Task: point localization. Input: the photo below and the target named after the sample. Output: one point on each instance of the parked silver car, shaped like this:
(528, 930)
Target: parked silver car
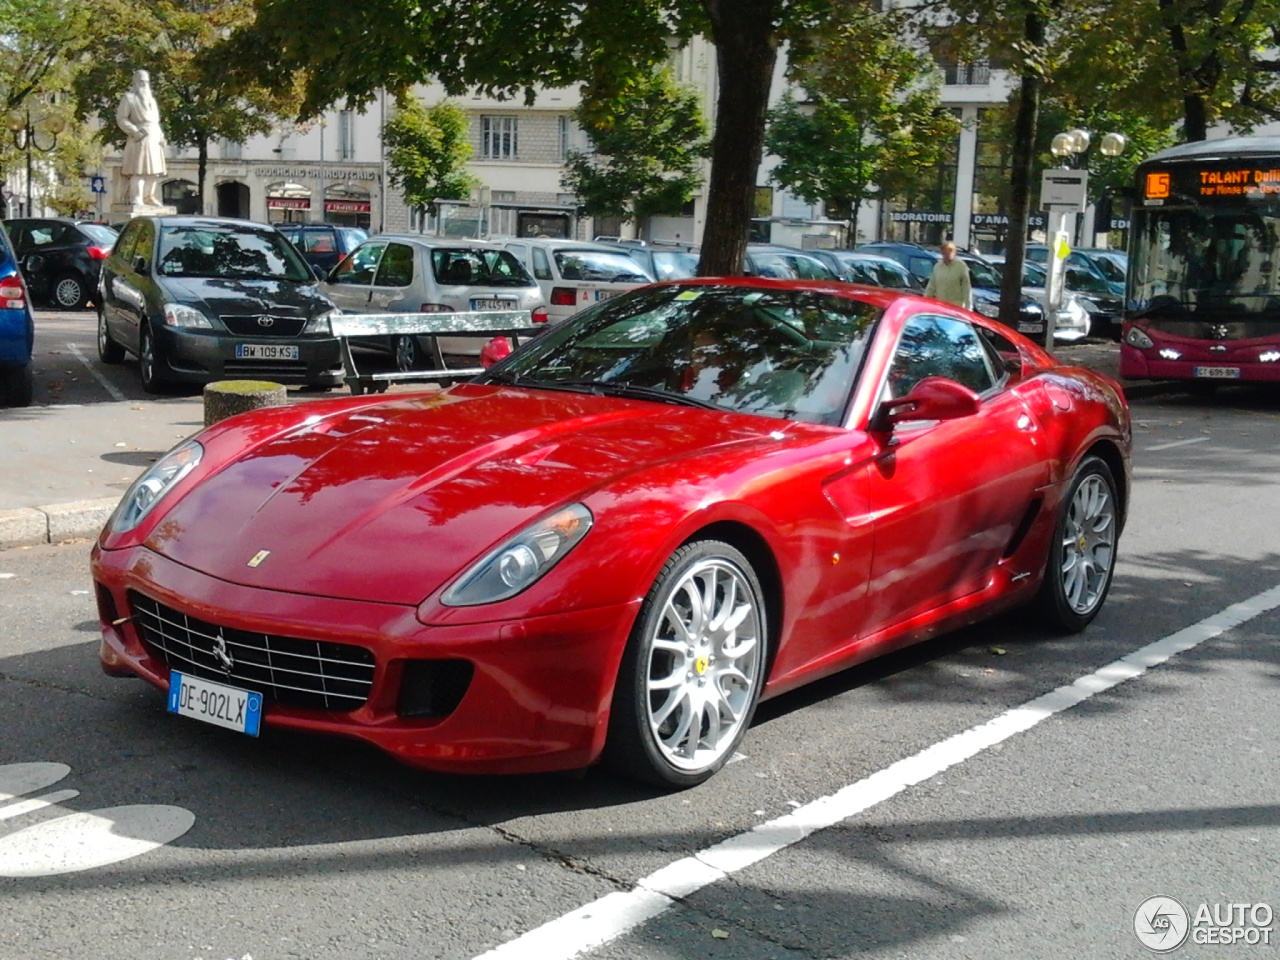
(406, 273)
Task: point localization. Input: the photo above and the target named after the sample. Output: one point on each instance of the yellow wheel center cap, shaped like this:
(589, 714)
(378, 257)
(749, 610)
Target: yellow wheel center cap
(700, 665)
(1081, 543)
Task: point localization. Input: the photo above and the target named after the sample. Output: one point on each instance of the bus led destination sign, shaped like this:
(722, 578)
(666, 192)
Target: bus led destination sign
(1207, 183)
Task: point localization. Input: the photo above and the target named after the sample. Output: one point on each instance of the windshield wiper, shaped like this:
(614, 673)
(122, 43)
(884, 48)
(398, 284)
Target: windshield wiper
(617, 388)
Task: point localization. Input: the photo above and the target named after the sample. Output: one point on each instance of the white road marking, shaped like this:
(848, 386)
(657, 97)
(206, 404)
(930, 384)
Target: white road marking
(614, 915)
(1176, 443)
(39, 803)
(107, 385)
(82, 841)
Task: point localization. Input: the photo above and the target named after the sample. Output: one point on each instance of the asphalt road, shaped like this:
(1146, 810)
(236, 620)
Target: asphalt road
(879, 813)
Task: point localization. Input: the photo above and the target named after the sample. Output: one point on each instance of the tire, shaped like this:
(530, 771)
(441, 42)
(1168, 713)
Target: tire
(678, 662)
(1082, 555)
(109, 351)
(150, 362)
(408, 353)
(69, 292)
(17, 385)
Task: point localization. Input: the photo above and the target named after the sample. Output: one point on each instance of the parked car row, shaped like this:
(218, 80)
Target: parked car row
(203, 298)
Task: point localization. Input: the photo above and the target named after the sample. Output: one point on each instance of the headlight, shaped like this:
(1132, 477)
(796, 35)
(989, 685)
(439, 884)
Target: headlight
(987, 309)
(1073, 310)
(149, 488)
(520, 561)
(320, 325)
(180, 315)
(1138, 338)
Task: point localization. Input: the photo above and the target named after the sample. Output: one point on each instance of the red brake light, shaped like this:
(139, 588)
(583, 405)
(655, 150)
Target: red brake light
(98, 253)
(540, 315)
(564, 296)
(12, 296)
(435, 308)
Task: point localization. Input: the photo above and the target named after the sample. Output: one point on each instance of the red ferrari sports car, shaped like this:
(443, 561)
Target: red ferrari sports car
(615, 542)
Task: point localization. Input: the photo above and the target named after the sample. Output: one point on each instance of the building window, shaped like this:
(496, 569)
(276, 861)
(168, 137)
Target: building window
(966, 74)
(498, 138)
(566, 144)
(231, 150)
(346, 135)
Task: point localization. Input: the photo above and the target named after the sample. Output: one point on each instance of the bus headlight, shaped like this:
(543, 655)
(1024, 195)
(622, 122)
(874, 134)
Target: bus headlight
(1138, 338)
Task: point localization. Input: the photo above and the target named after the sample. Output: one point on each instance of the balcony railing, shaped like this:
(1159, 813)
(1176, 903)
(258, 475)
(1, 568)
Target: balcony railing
(966, 74)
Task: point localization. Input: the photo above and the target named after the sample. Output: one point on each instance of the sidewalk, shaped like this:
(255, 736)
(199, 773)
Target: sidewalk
(66, 467)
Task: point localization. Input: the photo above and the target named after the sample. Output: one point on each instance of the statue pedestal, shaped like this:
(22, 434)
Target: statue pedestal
(127, 211)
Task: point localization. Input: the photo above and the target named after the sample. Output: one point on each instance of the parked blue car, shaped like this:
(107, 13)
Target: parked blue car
(17, 331)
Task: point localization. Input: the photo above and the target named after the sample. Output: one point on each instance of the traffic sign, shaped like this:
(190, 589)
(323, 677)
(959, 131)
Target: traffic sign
(98, 184)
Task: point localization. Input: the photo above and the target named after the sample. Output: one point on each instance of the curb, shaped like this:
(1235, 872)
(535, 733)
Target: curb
(54, 523)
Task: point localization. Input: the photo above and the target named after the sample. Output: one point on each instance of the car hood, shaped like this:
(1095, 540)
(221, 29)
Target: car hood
(388, 502)
(248, 297)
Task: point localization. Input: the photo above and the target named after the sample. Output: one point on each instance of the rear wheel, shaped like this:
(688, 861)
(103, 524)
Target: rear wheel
(693, 669)
(108, 350)
(70, 292)
(17, 385)
(1082, 555)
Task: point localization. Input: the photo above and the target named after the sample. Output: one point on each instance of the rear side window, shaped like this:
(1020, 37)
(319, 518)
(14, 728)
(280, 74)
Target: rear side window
(396, 267)
(541, 265)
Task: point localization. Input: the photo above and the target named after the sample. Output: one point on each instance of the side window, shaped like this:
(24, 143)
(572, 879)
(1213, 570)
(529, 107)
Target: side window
(396, 267)
(43, 234)
(1004, 354)
(541, 265)
(359, 268)
(940, 347)
(144, 248)
(128, 240)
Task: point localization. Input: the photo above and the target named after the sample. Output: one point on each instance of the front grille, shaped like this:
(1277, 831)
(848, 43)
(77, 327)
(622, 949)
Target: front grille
(314, 674)
(251, 327)
(260, 369)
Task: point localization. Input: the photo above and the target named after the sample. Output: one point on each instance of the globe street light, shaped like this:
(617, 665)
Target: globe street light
(26, 133)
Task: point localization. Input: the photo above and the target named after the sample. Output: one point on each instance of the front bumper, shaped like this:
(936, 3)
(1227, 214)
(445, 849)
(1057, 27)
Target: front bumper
(201, 356)
(538, 698)
(1137, 364)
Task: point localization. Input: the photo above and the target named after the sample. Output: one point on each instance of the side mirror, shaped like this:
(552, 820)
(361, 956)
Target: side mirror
(933, 398)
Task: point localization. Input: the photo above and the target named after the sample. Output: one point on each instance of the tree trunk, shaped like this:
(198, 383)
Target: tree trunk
(746, 51)
(1195, 124)
(1021, 156)
(202, 168)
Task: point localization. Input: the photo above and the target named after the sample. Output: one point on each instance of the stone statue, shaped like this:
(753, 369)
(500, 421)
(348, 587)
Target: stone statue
(139, 117)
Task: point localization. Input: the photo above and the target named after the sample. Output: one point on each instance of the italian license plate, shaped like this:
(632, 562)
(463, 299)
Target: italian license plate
(216, 703)
(1031, 328)
(266, 351)
(481, 304)
(1217, 373)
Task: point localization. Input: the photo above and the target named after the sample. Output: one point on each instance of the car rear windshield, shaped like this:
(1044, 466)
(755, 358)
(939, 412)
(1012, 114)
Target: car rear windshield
(98, 234)
(229, 252)
(466, 267)
(597, 265)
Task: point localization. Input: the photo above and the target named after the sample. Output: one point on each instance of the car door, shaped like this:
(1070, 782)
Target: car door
(395, 288)
(350, 284)
(127, 282)
(949, 496)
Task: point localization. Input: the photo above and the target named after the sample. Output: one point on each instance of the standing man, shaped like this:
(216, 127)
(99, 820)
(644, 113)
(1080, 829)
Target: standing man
(950, 279)
(139, 117)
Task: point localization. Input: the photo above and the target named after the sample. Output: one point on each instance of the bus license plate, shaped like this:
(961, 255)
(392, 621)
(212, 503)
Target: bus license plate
(216, 703)
(493, 305)
(266, 351)
(1218, 373)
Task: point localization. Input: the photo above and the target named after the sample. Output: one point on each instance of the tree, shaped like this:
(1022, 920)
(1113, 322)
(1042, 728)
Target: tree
(871, 120)
(646, 147)
(186, 46)
(501, 47)
(427, 152)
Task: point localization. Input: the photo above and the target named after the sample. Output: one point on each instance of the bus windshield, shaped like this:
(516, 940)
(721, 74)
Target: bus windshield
(1207, 260)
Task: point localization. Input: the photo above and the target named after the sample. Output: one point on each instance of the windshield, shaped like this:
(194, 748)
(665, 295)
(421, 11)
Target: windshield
(103, 236)
(881, 273)
(1112, 265)
(1205, 261)
(779, 353)
(600, 266)
(230, 253)
(675, 264)
(982, 274)
(463, 266)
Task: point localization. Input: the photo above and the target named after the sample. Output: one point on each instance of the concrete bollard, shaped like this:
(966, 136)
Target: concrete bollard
(226, 398)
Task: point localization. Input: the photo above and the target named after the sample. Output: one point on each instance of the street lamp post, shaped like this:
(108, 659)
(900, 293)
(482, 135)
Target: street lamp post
(25, 133)
(1064, 195)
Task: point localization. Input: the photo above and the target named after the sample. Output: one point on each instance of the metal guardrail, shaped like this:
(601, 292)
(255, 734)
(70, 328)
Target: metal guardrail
(488, 324)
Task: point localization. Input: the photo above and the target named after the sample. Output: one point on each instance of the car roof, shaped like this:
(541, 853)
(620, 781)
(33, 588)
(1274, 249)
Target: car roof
(559, 243)
(454, 243)
(211, 222)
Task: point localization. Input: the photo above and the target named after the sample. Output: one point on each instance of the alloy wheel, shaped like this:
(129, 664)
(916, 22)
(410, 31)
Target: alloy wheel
(1088, 544)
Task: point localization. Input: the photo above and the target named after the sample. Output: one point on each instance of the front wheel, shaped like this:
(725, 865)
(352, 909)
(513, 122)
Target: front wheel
(693, 669)
(109, 351)
(408, 353)
(70, 292)
(150, 363)
(1082, 555)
